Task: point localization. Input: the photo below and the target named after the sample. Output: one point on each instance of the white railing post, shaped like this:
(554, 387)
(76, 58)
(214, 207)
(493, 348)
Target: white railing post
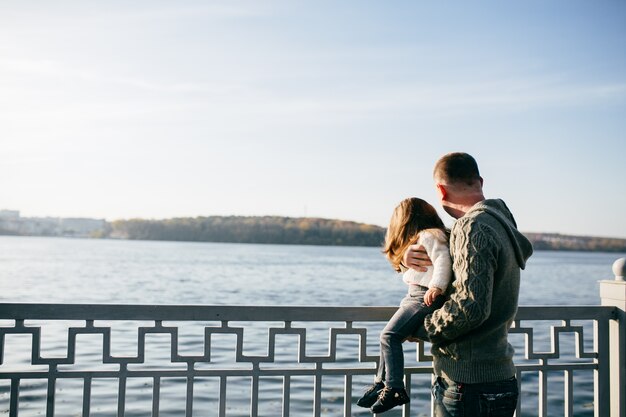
(613, 293)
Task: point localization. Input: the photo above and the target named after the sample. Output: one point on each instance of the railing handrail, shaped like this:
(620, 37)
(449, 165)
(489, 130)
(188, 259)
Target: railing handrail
(171, 312)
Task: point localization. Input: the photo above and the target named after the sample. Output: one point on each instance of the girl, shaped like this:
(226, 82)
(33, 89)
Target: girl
(414, 221)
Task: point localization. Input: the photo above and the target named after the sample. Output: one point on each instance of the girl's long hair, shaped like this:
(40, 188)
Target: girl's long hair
(409, 218)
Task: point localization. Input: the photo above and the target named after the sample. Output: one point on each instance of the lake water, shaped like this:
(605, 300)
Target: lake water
(58, 270)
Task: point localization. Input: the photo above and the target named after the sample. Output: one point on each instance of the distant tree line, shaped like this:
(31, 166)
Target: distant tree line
(555, 241)
(307, 231)
(240, 229)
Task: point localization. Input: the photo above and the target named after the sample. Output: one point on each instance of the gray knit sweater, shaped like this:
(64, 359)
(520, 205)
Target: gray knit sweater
(469, 333)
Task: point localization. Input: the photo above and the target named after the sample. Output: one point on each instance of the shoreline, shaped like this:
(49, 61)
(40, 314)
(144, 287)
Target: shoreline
(537, 247)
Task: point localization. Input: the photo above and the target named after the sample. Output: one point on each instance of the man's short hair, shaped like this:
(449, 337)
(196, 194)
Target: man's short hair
(456, 168)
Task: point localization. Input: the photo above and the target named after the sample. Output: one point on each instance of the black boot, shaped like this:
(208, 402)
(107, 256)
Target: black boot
(371, 395)
(389, 398)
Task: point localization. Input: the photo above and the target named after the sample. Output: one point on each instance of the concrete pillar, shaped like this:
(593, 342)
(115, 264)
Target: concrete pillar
(613, 293)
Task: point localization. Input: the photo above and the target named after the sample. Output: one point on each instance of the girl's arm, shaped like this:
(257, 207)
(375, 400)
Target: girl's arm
(439, 253)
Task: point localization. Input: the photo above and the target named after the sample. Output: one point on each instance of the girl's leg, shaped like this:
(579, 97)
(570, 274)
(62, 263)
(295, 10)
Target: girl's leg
(380, 374)
(371, 394)
(403, 323)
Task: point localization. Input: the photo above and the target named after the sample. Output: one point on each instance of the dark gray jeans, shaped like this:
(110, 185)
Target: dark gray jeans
(403, 324)
(490, 399)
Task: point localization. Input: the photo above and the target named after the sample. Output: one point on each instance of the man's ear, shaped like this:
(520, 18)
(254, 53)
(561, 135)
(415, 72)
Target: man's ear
(441, 190)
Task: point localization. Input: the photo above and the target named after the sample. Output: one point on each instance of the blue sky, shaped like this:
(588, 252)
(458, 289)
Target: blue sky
(321, 108)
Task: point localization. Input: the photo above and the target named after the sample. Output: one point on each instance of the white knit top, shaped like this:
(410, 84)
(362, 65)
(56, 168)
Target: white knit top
(440, 272)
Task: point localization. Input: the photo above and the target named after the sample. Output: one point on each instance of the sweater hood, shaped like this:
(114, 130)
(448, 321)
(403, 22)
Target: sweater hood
(498, 209)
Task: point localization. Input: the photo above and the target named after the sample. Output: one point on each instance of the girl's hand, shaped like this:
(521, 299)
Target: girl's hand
(431, 294)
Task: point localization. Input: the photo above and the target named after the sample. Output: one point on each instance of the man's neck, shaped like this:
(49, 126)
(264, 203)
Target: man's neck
(459, 208)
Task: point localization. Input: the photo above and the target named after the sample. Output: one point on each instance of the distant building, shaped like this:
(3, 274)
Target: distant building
(9, 214)
(12, 224)
(80, 227)
(40, 226)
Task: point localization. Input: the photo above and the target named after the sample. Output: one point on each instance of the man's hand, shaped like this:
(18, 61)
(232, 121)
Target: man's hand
(416, 258)
(431, 294)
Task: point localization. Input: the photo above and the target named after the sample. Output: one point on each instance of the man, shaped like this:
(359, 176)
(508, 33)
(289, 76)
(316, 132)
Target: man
(472, 357)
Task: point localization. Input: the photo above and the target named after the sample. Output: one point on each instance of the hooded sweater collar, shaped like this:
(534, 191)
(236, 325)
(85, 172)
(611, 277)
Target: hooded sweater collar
(498, 209)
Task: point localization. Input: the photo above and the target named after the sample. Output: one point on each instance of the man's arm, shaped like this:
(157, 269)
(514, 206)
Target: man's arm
(416, 258)
(470, 304)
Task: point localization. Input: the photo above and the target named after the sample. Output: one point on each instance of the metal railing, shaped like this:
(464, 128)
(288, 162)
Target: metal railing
(336, 346)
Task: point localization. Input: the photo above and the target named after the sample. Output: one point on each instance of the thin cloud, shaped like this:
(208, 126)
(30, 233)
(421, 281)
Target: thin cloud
(56, 69)
(215, 10)
(227, 100)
